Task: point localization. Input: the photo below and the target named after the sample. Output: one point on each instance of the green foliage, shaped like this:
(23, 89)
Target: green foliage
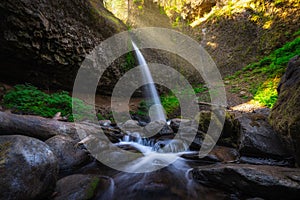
(261, 78)
(143, 108)
(275, 64)
(200, 88)
(100, 116)
(27, 99)
(129, 62)
(267, 93)
(170, 103)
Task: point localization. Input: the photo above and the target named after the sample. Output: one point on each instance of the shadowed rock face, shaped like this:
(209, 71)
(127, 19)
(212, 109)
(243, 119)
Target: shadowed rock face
(285, 115)
(45, 42)
(264, 181)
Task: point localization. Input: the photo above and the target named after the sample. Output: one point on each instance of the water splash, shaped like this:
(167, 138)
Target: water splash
(171, 181)
(156, 111)
(155, 154)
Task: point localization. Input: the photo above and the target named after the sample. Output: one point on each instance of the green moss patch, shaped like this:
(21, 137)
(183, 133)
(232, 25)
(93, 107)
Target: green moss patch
(27, 99)
(261, 78)
(92, 188)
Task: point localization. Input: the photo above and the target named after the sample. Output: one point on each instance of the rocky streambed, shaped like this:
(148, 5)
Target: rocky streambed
(248, 161)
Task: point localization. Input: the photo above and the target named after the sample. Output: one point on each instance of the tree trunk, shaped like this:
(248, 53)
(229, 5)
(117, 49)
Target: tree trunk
(33, 126)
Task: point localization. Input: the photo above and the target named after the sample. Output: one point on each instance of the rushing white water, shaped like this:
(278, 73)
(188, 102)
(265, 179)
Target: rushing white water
(155, 154)
(172, 180)
(156, 111)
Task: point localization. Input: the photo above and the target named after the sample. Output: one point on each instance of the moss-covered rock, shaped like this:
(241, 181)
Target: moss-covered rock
(285, 115)
(83, 187)
(230, 129)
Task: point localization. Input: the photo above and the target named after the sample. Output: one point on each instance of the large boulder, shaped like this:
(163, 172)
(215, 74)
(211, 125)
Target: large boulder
(82, 187)
(45, 42)
(28, 168)
(268, 182)
(67, 151)
(285, 115)
(217, 154)
(258, 139)
(230, 129)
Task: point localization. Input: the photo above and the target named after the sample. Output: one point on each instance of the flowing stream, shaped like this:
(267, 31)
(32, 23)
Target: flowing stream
(170, 182)
(161, 171)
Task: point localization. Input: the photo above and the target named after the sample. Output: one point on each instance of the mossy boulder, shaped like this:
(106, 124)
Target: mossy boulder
(230, 129)
(83, 187)
(285, 115)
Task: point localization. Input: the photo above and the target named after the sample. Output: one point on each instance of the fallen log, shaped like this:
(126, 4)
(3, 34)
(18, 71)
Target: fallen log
(43, 128)
(97, 140)
(33, 126)
(211, 104)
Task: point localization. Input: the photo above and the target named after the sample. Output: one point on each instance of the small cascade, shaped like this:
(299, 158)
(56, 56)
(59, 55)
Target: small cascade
(156, 110)
(135, 137)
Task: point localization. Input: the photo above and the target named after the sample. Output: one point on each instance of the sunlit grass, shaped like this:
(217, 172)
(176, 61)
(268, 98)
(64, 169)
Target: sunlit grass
(261, 78)
(267, 92)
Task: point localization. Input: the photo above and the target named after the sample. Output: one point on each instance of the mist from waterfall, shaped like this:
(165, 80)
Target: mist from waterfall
(156, 111)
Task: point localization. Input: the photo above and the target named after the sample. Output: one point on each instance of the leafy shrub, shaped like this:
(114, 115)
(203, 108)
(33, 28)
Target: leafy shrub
(27, 99)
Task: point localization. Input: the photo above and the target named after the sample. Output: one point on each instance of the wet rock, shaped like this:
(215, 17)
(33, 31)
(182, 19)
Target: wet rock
(82, 187)
(49, 41)
(69, 155)
(218, 154)
(129, 148)
(177, 122)
(285, 115)
(223, 154)
(114, 138)
(28, 168)
(203, 118)
(166, 183)
(156, 127)
(267, 161)
(230, 129)
(258, 139)
(131, 126)
(192, 136)
(197, 143)
(171, 146)
(117, 159)
(263, 111)
(254, 180)
(105, 123)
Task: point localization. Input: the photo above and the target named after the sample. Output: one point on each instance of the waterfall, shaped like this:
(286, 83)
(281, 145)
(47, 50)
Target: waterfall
(156, 111)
